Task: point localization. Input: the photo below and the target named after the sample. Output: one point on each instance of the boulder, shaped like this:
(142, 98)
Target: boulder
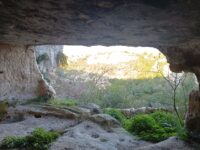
(94, 108)
(105, 120)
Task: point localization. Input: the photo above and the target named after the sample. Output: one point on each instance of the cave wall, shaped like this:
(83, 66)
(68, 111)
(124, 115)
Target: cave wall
(19, 74)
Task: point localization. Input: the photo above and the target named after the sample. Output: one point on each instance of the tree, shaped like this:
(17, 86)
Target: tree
(174, 80)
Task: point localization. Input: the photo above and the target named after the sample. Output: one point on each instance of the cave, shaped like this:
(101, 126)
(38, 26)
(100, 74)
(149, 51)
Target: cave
(172, 26)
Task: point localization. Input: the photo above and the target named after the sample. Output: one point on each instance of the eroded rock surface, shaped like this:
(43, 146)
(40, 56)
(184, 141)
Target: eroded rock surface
(19, 74)
(193, 115)
(170, 144)
(117, 22)
(78, 135)
(26, 126)
(91, 136)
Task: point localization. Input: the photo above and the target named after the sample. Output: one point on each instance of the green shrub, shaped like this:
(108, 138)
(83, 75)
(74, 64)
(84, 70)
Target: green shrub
(166, 120)
(38, 140)
(153, 127)
(116, 114)
(63, 102)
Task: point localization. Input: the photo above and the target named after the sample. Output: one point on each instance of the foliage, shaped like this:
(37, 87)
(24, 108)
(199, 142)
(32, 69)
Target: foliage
(116, 114)
(62, 60)
(138, 93)
(38, 140)
(147, 69)
(153, 127)
(63, 102)
(3, 109)
(42, 57)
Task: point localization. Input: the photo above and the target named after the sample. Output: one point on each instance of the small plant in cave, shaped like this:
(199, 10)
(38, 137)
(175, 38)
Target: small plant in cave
(43, 57)
(62, 60)
(3, 110)
(38, 140)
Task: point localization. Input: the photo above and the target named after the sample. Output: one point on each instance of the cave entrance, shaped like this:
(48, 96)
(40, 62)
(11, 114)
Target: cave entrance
(115, 76)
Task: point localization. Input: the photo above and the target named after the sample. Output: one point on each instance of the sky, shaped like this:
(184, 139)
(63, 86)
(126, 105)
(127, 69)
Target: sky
(106, 55)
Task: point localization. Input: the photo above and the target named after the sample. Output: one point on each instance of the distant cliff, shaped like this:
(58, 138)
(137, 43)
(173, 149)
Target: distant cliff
(46, 56)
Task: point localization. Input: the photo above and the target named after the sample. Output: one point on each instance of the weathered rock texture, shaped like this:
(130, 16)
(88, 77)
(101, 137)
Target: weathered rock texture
(19, 74)
(51, 51)
(170, 25)
(193, 115)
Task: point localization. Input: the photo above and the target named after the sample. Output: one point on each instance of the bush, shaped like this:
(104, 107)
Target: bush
(153, 127)
(116, 114)
(38, 140)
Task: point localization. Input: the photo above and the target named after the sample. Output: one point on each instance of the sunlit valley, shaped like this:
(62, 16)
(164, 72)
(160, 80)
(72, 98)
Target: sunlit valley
(119, 77)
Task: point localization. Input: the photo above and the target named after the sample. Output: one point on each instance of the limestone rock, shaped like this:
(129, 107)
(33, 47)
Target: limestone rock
(130, 112)
(90, 136)
(41, 111)
(25, 127)
(45, 90)
(94, 108)
(105, 120)
(170, 144)
(19, 74)
(193, 115)
(47, 66)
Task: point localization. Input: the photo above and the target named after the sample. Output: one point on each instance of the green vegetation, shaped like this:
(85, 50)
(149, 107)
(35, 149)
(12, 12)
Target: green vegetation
(139, 93)
(3, 110)
(116, 114)
(62, 60)
(154, 127)
(38, 140)
(42, 57)
(141, 83)
(63, 102)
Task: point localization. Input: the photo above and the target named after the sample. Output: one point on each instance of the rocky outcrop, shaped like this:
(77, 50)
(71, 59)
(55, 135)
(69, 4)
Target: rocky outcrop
(50, 63)
(117, 22)
(19, 74)
(193, 115)
(91, 136)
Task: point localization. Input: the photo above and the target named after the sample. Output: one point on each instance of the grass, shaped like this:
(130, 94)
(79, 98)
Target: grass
(38, 140)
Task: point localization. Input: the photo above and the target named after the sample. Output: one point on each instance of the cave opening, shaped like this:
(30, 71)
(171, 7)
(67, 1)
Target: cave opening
(115, 76)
